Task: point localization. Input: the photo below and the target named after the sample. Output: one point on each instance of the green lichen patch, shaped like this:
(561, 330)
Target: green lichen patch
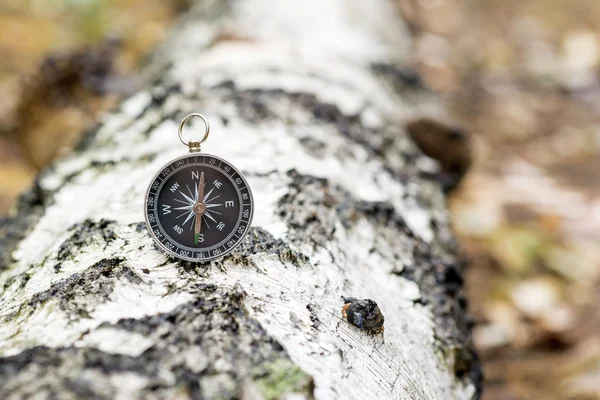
(280, 377)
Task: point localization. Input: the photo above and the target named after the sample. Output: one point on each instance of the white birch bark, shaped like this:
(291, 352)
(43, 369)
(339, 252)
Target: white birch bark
(307, 98)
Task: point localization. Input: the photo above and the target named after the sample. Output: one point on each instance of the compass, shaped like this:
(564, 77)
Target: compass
(198, 207)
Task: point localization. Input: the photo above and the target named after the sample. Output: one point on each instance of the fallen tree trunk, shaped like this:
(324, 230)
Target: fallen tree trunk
(305, 98)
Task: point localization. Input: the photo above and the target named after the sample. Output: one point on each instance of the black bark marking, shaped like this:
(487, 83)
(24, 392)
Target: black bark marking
(84, 234)
(30, 207)
(259, 241)
(313, 146)
(309, 209)
(401, 78)
(258, 105)
(314, 319)
(441, 287)
(54, 373)
(313, 206)
(76, 293)
(384, 214)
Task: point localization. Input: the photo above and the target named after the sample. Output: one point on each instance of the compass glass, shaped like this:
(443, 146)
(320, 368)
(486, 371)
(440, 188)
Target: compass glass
(199, 207)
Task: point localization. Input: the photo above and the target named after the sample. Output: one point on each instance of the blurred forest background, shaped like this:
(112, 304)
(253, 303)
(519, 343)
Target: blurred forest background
(521, 76)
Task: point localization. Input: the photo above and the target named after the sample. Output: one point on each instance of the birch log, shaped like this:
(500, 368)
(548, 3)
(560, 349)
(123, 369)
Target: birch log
(307, 98)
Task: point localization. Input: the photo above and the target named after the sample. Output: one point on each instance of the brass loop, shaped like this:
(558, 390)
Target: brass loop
(194, 145)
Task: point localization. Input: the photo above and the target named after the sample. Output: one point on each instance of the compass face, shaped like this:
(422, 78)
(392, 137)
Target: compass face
(199, 207)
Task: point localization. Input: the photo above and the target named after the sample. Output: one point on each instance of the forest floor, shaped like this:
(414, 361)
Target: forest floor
(523, 77)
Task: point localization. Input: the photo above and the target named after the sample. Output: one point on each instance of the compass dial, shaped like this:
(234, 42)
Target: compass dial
(199, 207)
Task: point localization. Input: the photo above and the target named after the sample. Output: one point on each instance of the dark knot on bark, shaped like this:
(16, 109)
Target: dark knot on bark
(364, 314)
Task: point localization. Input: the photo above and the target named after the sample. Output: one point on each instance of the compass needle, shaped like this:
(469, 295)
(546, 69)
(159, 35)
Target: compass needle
(201, 187)
(199, 209)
